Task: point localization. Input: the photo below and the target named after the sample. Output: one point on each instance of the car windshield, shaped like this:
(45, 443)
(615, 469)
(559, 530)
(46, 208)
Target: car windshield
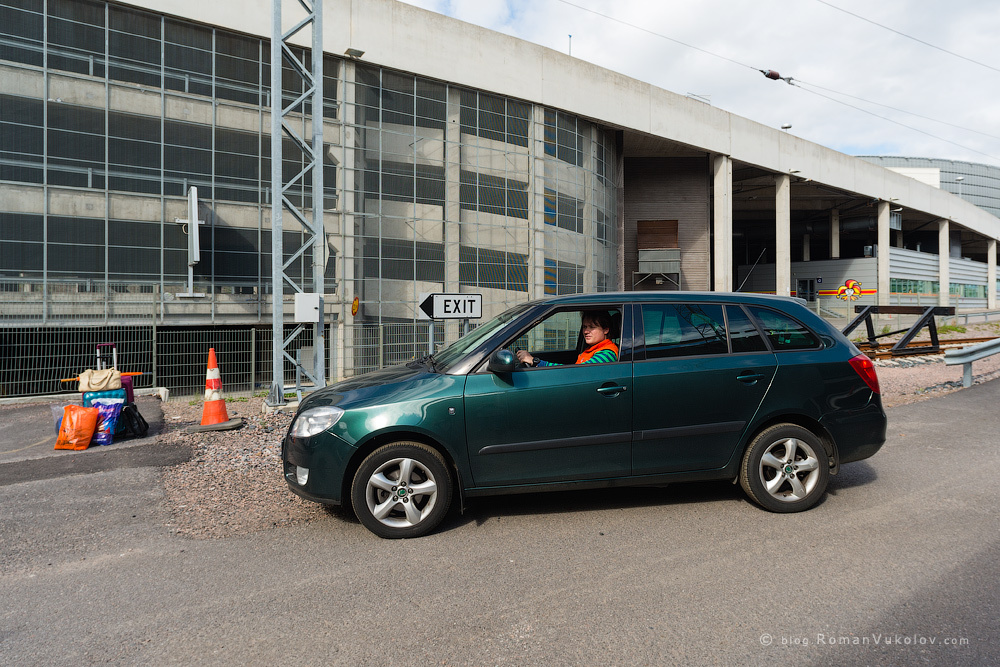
(449, 355)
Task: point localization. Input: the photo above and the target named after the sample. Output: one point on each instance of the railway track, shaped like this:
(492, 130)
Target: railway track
(885, 351)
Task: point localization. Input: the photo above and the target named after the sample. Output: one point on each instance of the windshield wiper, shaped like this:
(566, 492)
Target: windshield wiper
(427, 361)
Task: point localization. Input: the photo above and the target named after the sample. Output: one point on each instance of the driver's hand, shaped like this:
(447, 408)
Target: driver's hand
(525, 358)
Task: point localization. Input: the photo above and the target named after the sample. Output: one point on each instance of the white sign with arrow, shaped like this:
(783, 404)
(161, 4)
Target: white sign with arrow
(438, 306)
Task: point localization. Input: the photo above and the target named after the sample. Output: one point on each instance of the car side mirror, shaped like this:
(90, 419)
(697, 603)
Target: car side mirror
(502, 361)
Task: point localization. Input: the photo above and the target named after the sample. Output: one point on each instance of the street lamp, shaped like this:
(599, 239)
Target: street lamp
(959, 179)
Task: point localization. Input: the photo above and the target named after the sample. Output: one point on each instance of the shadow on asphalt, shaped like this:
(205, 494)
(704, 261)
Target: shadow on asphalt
(481, 510)
(859, 473)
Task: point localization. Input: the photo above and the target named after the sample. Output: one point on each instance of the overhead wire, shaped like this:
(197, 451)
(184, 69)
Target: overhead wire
(909, 113)
(795, 83)
(771, 74)
(657, 34)
(903, 34)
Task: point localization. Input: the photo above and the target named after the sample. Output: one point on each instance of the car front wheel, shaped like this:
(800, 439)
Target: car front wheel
(785, 469)
(401, 490)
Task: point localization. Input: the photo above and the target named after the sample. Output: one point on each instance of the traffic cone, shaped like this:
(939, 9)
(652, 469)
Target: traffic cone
(214, 416)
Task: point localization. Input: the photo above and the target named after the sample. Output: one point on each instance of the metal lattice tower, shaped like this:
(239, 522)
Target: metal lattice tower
(283, 119)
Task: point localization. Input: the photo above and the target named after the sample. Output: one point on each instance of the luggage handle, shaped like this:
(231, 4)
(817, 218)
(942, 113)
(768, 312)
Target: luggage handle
(114, 355)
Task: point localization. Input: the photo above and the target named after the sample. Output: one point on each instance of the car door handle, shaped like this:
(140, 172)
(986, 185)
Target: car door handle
(611, 391)
(750, 378)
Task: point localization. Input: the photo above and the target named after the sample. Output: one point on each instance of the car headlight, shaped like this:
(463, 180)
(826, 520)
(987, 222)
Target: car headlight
(315, 420)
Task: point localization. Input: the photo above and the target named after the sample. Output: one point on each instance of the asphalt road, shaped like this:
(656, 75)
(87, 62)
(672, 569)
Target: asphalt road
(898, 566)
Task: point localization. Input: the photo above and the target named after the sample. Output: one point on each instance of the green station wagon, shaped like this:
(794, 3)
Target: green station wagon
(697, 386)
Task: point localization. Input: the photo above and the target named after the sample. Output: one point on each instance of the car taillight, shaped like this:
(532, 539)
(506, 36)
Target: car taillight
(864, 367)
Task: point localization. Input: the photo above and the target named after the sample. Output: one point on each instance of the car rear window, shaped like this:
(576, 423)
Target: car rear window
(784, 332)
(675, 330)
(742, 333)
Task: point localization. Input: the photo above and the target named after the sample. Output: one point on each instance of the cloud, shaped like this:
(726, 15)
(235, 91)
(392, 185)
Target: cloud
(804, 39)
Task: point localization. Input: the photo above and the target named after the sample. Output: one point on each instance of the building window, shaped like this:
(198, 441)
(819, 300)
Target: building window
(187, 58)
(563, 211)
(21, 139)
(22, 29)
(76, 36)
(562, 140)
(496, 269)
(492, 194)
(399, 181)
(397, 259)
(21, 253)
(238, 70)
(493, 117)
(76, 146)
(134, 46)
(563, 278)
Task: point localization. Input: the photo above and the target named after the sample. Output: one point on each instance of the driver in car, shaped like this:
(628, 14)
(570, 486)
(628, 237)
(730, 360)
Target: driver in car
(595, 327)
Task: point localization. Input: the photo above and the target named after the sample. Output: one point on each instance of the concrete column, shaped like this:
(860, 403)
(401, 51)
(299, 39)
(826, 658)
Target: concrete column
(452, 232)
(944, 275)
(783, 235)
(536, 212)
(991, 275)
(587, 196)
(722, 175)
(882, 256)
(835, 233)
(348, 271)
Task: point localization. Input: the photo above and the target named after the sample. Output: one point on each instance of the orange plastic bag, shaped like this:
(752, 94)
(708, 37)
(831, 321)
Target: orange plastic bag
(78, 426)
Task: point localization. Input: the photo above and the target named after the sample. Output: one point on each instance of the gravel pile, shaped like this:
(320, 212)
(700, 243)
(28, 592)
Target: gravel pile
(233, 484)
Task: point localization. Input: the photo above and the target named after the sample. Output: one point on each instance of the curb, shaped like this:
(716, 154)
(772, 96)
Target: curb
(74, 396)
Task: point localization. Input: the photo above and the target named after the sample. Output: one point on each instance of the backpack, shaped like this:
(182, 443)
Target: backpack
(132, 421)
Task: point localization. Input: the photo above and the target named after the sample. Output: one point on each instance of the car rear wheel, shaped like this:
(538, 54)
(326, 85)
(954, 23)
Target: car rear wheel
(401, 490)
(785, 469)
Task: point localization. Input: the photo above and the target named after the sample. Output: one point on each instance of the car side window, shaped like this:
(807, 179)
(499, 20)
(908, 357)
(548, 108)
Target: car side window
(782, 331)
(557, 333)
(676, 330)
(558, 339)
(743, 335)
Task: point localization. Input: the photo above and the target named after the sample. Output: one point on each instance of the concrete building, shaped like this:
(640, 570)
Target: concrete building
(457, 159)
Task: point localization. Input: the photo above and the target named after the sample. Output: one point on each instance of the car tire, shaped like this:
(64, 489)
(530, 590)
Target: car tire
(402, 490)
(785, 469)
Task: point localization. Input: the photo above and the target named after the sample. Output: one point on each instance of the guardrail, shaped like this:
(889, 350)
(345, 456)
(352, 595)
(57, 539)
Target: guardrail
(986, 315)
(967, 355)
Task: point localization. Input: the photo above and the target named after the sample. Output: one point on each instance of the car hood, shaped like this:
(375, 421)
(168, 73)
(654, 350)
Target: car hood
(382, 386)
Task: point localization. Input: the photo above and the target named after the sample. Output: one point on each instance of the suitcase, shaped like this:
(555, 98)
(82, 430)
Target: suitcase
(103, 363)
(88, 402)
(127, 386)
(89, 396)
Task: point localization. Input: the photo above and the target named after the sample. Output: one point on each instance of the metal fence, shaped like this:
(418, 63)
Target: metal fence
(35, 359)
(181, 357)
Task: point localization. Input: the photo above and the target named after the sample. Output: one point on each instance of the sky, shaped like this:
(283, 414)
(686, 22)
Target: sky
(926, 101)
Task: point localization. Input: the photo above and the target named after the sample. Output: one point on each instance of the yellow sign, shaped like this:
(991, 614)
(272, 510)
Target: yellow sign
(354, 307)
